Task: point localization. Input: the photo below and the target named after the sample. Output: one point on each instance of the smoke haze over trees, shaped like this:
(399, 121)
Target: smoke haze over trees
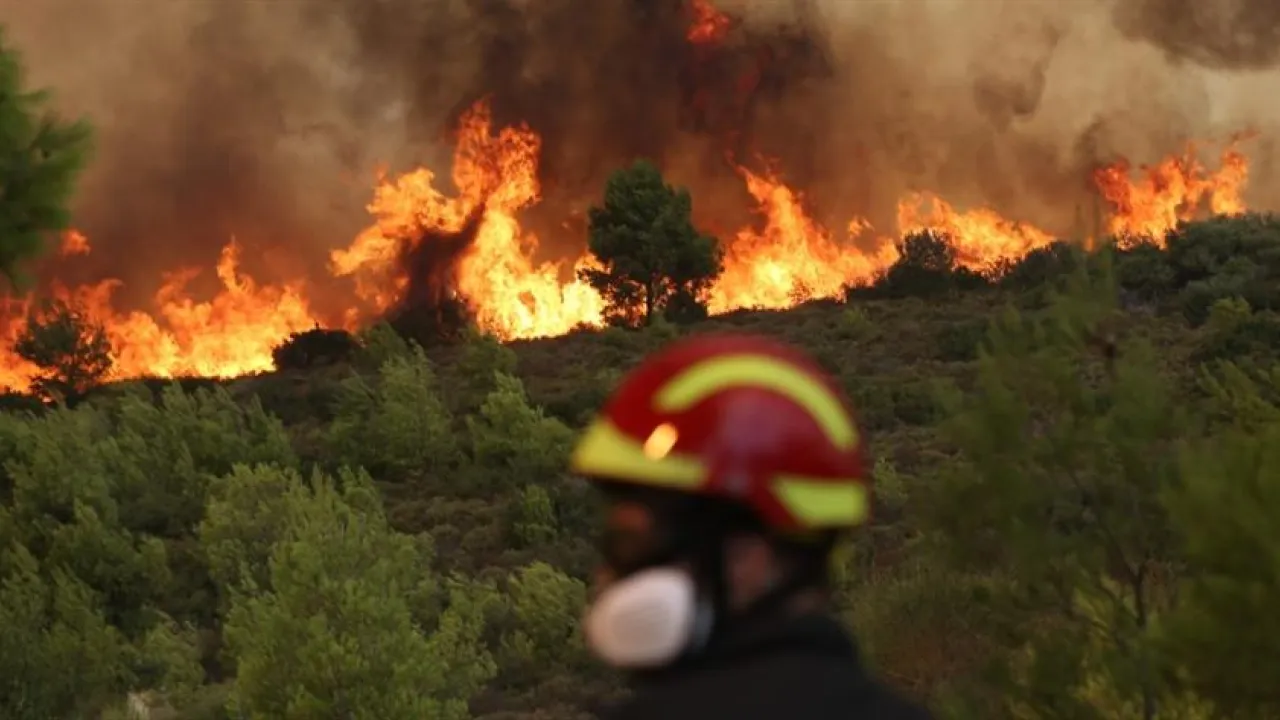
(266, 120)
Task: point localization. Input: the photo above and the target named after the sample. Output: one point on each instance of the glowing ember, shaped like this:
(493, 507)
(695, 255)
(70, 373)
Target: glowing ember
(74, 243)
(707, 24)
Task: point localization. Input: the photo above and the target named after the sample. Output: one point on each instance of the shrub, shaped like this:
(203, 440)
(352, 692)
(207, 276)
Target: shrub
(242, 524)
(1255, 336)
(61, 658)
(343, 586)
(65, 506)
(431, 324)
(1238, 277)
(15, 402)
(171, 451)
(474, 373)
(873, 401)
(916, 403)
(1040, 267)
(546, 605)
(1225, 257)
(315, 348)
(380, 343)
(1144, 270)
(852, 323)
(513, 440)
(533, 517)
(1222, 632)
(71, 350)
(926, 267)
(960, 341)
(397, 426)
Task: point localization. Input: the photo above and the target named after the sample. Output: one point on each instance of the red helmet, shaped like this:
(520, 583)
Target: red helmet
(744, 418)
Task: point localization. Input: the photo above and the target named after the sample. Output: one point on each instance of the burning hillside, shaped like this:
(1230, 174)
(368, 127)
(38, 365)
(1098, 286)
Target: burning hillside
(504, 232)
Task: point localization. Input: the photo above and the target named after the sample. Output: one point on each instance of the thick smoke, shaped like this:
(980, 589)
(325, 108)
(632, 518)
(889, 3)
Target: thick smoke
(213, 121)
(1230, 34)
(429, 310)
(266, 119)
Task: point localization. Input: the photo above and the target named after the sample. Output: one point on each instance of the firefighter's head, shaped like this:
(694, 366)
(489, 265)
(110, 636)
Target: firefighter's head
(729, 466)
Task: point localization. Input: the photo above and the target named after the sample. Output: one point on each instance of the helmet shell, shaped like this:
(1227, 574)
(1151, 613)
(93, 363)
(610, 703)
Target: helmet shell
(741, 417)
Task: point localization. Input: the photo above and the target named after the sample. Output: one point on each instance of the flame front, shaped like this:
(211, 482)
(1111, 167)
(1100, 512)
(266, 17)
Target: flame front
(789, 258)
(497, 175)
(232, 334)
(1178, 188)
(784, 258)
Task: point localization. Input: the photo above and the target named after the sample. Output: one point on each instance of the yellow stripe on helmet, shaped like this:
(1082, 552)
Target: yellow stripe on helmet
(711, 376)
(823, 504)
(606, 452)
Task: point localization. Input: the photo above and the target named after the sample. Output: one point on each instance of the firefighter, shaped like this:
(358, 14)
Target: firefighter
(730, 467)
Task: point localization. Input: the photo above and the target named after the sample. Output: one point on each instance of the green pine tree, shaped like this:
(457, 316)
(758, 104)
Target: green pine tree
(337, 633)
(1065, 446)
(653, 261)
(41, 157)
(1224, 636)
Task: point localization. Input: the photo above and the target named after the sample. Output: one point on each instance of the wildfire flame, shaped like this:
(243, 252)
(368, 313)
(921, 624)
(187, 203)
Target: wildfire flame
(784, 258)
(707, 25)
(232, 334)
(1177, 188)
(496, 174)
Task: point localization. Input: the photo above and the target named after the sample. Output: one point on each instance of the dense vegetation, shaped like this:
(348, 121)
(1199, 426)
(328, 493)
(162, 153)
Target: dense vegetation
(1078, 469)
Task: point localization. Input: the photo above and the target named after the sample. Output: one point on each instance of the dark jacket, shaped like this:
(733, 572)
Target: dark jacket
(801, 669)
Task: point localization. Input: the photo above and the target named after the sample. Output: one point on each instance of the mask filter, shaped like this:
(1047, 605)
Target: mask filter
(645, 620)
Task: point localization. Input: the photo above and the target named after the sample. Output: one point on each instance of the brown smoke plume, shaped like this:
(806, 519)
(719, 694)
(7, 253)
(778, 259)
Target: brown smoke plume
(1230, 34)
(265, 119)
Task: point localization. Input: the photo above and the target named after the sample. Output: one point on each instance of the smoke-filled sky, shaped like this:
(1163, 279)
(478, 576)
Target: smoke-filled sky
(266, 118)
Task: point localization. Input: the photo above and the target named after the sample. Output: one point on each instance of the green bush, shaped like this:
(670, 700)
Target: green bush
(1226, 257)
(72, 352)
(1041, 267)
(1236, 332)
(926, 267)
(397, 427)
(337, 631)
(61, 656)
(514, 440)
(222, 550)
(960, 342)
(1144, 270)
(381, 343)
(546, 605)
(916, 403)
(315, 348)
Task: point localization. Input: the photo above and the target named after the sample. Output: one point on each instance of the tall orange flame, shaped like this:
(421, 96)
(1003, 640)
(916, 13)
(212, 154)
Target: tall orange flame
(1177, 188)
(783, 258)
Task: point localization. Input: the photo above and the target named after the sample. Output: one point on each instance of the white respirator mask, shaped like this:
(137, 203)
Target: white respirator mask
(647, 620)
